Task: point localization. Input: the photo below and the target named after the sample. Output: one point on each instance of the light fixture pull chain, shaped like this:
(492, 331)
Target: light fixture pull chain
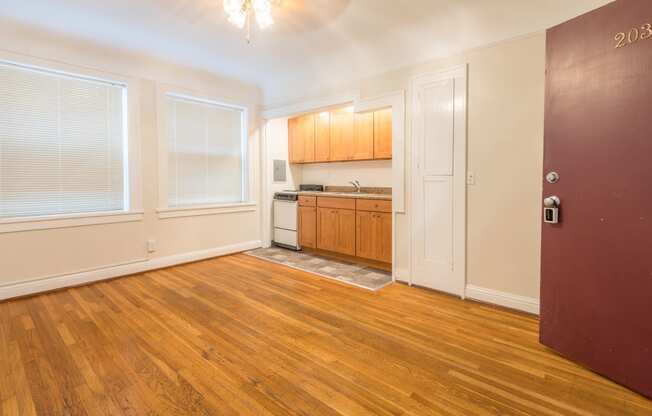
(249, 26)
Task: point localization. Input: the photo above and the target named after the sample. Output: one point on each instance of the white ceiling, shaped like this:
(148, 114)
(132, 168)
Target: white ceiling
(314, 43)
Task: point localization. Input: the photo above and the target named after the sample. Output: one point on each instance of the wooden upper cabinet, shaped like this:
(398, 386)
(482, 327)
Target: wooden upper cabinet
(307, 124)
(383, 134)
(295, 142)
(340, 135)
(342, 129)
(363, 136)
(323, 137)
(301, 139)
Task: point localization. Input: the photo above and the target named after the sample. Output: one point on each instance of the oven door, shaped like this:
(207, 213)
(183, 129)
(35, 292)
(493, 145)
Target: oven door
(285, 215)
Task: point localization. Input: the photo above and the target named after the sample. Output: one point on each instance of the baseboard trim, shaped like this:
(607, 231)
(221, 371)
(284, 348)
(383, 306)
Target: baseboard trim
(401, 275)
(508, 300)
(77, 279)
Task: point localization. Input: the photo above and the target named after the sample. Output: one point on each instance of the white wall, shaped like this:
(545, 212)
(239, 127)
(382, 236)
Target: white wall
(505, 151)
(374, 173)
(276, 148)
(28, 257)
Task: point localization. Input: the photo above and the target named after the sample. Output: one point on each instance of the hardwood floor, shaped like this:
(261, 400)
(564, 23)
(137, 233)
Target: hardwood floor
(238, 335)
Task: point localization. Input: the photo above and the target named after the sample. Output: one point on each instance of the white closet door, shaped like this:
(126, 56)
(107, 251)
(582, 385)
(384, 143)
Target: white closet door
(438, 182)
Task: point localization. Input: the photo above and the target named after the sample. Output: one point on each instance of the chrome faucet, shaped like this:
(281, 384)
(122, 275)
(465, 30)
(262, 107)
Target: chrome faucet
(357, 186)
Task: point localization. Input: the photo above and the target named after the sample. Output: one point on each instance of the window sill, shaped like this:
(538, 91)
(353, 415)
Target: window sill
(199, 210)
(14, 225)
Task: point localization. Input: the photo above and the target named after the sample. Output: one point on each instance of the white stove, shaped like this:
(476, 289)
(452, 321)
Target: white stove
(286, 214)
(286, 227)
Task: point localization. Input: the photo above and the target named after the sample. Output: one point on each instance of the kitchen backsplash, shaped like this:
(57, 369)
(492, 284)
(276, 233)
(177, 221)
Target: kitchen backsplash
(375, 173)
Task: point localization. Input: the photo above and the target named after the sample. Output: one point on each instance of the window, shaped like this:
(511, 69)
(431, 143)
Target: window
(206, 152)
(62, 144)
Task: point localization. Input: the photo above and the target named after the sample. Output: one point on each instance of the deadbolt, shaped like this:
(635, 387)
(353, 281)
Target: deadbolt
(552, 177)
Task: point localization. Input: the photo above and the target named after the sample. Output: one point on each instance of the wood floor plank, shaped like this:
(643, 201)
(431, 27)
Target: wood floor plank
(240, 336)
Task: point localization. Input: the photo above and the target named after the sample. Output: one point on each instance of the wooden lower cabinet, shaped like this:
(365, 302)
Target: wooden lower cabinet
(384, 249)
(308, 227)
(359, 228)
(365, 232)
(336, 230)
(374, 236)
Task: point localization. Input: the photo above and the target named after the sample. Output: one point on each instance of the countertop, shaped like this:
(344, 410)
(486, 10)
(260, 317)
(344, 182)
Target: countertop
(355, 195)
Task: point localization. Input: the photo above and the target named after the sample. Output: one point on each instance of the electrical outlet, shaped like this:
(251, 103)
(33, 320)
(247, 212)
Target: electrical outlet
(470, 178)
(151, 246)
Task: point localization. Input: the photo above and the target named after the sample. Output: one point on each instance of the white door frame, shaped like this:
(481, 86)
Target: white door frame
(459, 73)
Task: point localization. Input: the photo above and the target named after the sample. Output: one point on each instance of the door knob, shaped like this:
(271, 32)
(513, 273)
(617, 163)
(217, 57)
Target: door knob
(552, 202)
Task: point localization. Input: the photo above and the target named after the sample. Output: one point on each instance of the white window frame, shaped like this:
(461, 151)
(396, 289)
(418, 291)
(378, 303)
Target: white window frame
(164, 210)
(133, 196)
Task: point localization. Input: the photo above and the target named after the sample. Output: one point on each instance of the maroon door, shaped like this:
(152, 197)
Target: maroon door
(596, 296)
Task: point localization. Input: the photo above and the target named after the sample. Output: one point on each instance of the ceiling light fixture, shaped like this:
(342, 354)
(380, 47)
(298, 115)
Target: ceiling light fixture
(241, 13)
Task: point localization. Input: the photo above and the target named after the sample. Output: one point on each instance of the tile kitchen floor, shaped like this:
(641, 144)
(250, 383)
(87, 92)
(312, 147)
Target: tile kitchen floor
(346, 272)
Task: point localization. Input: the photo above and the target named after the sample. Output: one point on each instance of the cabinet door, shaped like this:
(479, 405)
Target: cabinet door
(365, 235)
(342, 127)
(363, 136)
(374, 236)
(327, 229)
(323, 137)
(383, 134)
(296, 147)
(384, 237)
(346, 232)
(308, 227)
(301, 139)
(307, 129)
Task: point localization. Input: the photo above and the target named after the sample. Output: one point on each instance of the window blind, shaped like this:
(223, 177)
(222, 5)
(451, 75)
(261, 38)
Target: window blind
(206, 153)
(62, 144)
